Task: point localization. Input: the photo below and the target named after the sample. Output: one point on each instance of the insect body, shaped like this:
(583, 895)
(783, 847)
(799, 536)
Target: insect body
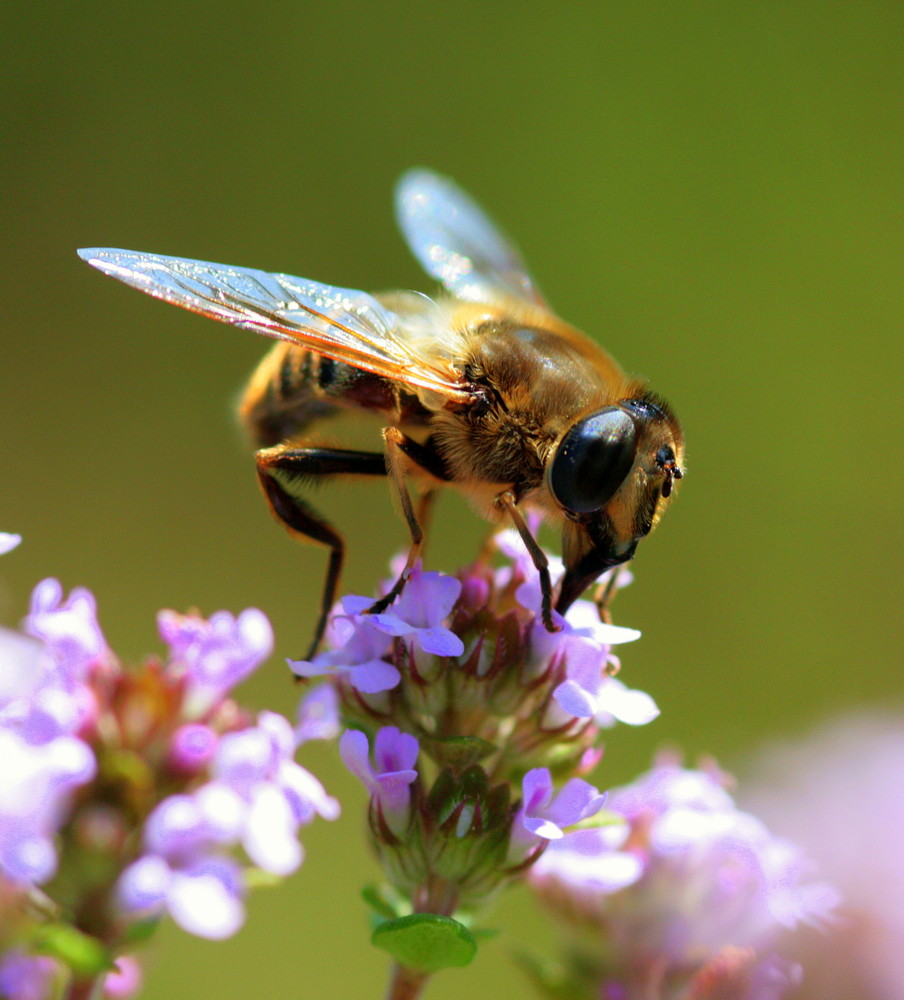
(485, 390)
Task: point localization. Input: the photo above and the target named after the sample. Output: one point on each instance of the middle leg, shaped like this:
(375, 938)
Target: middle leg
(299, 518)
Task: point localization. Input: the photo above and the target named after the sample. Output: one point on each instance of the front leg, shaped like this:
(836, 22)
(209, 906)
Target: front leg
(399, 448)
(605, 593)
(506, 501)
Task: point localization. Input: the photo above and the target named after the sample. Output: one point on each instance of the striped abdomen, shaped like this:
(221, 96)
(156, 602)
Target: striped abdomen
(292, 387)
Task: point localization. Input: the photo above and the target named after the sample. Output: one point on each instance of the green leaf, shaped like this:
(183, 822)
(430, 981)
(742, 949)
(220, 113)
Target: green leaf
(427, 942)
(378, 900)
(85, 955)
(141, 930)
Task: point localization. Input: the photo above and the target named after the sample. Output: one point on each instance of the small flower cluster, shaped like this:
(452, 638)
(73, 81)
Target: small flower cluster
(476, 714)
(837, 791)
(682, 895)
(468, 656)
(446, 847)
(125, 794)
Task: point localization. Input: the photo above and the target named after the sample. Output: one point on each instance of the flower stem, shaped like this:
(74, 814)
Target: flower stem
(406, 984)
(86, 989)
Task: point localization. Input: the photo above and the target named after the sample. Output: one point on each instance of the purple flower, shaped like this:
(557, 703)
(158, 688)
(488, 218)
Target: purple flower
(68, 710)
(581, 619)
(838, 792)
(8, 542)
(278, 795)
(257, 799)
(182, 826)
(204, 896)
(39, 699)
(215, 654)
(427, 599)
(590, 861)
(583, 639)
(45, 679)
(26, 977)
(68, 628)
(318, 715)
(748, 883)
(193, 746)
(36, 783)
(699, 875)
(546, 814)
(26, 667)
(389, 778)
(590, 692)
(124, 980)
(359, 656)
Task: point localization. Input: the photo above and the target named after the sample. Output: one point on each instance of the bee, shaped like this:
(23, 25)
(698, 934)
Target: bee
(483, 389)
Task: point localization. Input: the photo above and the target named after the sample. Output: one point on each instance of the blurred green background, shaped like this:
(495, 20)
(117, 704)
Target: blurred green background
(713, 190)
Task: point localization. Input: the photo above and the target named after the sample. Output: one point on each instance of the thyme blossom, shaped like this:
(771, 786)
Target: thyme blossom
(685, 890)
(471, 706)
(546, 814)
(389, 778)
(129, 794)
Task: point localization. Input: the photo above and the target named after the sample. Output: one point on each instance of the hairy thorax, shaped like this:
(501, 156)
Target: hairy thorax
(536, 384)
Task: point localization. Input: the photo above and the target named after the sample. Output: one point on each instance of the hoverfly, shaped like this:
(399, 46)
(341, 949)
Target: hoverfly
(483, 389)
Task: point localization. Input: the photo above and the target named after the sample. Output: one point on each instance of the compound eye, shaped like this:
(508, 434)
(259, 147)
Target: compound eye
(593, 460)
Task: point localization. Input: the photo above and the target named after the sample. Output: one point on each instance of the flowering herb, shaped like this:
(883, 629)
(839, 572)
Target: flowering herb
(130, 796)
(682, 891)
(127, 795)
(480, 722)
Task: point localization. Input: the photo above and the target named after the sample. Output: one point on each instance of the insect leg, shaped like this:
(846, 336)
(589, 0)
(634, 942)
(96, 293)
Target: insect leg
(301, 520)
(605, 593)
(507, 501)
(399, 445)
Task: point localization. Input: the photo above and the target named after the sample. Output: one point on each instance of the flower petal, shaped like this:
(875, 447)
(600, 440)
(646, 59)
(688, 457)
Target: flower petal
(8, 542)
(394, 750)
(576, 800)
(375, 676)
(143, 886)
(356, 604)
(536, 789)
(305, 794)
(203, 903)
(439, 641)
(391, 624)
(270, 833)
(318, 715)
(575, 700)
(636, 708)
(355, 753)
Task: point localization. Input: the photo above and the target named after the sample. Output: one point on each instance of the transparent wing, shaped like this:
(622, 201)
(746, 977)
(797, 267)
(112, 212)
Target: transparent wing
(340, 323)
(457, 244)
